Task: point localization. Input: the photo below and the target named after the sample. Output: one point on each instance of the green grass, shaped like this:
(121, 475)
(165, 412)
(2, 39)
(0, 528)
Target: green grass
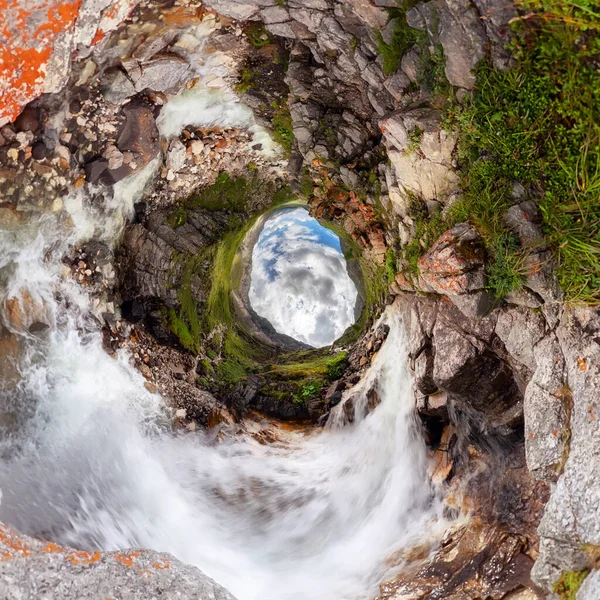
(402, 38)
(281, 126)
(537, 124)
(337, 365)
(569, 582)
(414, 140)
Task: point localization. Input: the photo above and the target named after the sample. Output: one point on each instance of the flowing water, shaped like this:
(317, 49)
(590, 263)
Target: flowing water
(88, 457)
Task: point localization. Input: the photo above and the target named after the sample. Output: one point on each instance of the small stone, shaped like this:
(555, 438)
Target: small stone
(39, 151)
(13, 154)
(197, 147)
(28, 120)
(181, 413)
(151, 387)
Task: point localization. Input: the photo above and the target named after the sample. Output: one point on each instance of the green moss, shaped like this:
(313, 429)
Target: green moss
(432, 73)
(569, 582)
(257, 35)
(247, 81)
(177, 217)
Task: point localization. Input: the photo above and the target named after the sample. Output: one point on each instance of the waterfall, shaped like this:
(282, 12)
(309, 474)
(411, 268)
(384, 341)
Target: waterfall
(90, 460)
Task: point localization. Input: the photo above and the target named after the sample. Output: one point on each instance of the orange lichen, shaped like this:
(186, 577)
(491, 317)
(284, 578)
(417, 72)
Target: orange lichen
(26, 48)
(582, 364)
(161, 564)
(83, 558)
(98, 37)
(127, 559)
(11, 545)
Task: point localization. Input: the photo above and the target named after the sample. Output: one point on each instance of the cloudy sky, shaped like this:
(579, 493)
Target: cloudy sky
(299, 279)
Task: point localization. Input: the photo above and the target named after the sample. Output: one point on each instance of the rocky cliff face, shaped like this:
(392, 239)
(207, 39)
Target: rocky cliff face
(503, 388)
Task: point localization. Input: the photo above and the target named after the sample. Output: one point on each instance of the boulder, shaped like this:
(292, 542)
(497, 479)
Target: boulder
(454, 266)
(163, 72)
(427, 169)
(139, 134)
(29, 566)
(570, 525)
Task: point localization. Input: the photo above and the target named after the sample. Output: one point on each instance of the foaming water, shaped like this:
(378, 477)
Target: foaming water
(90, 459)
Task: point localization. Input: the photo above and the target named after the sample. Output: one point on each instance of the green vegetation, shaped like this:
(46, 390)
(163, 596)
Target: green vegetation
(240, 354)
(402, 38)
(538, 125)
(432, 74)
(569, 582)
(282, 126)
(257, 35)
(248, 81)
(414, 140)
(390, 265)
(337, 365)
(309, 390)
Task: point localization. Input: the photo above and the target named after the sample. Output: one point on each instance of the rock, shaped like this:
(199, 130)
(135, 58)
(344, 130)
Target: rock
(114, 157)
(39, 151)
(590, 586)
(24, 309)
(521, 219)
(454, 266)
(520, 329)
(116, 86)
(570, 522)
(28, 120)
(176, 155)
(334, 393)
(238, 9)
(95, 168)
(30, 565)
(410, 63)
(163, 72)
(197, 147)
(428, 170)
(456, 25)
(133, 311)
(139, 133)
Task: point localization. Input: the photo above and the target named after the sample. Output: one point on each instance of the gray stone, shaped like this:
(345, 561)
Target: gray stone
(520, 329)
(428, 172)
(571, 517)
(521, 219)
(237, 9)
(161, 73)
(452, 352)
(590, 589)
(411, 63)
(176, 155)
(32, 570)
(274, 14)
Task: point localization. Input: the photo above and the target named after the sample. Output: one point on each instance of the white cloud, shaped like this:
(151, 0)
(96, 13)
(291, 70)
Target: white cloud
(299, 281)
